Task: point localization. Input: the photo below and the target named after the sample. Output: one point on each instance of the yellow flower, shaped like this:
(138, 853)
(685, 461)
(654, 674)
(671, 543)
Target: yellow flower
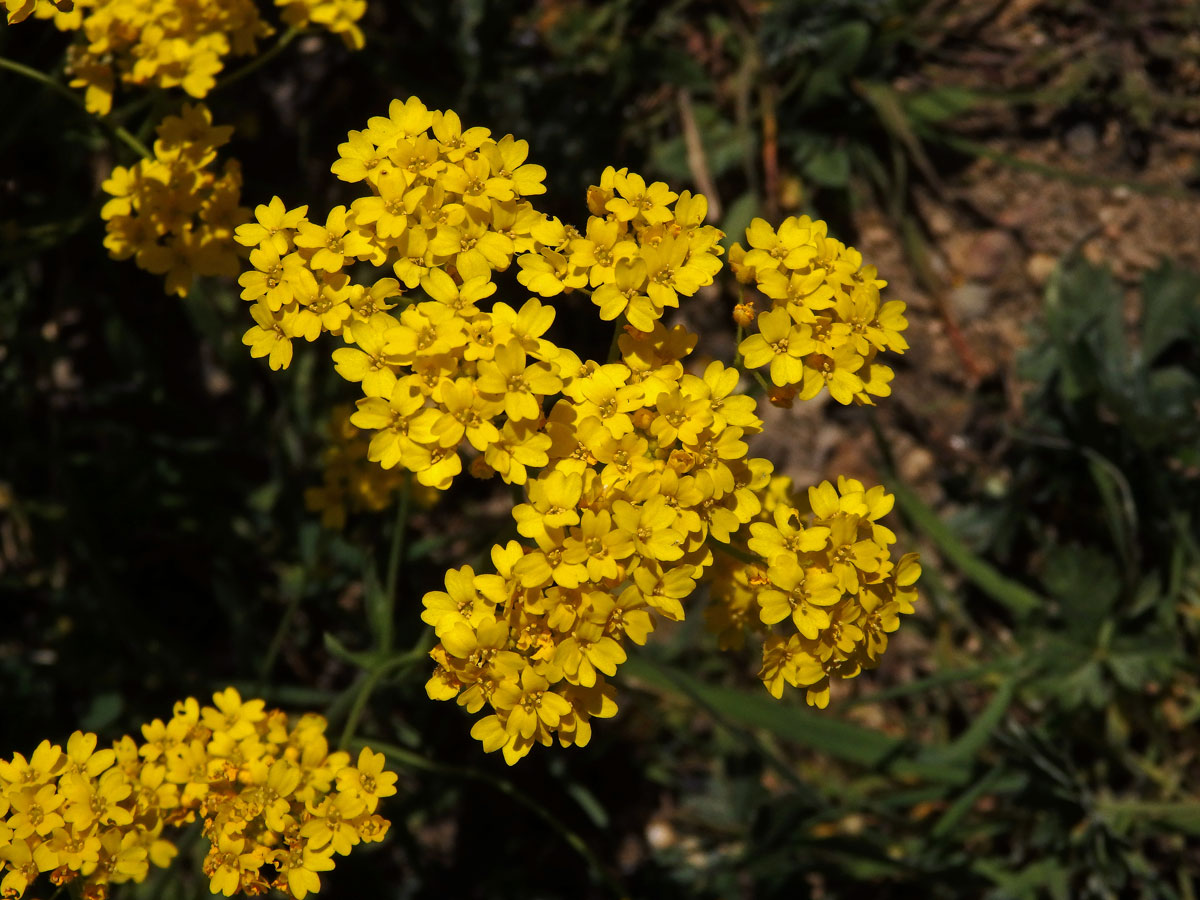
(531, 705)
(368, 780)
(780, 343)
(271, 335)
(460, 603)
(521, 386)
(332, 243)
(588, 650)
(273, 226)
(637, 201)
(552, 504)
(799, 593)
(369, 361)
(298, 870)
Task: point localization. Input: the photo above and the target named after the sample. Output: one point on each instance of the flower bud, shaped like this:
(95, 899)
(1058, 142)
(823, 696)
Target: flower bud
(743, 313)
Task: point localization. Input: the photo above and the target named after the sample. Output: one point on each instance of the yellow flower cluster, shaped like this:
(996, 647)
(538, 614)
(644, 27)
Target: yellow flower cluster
(152, 43)
(172, 214)
(646, 464)
(350, 482)
(639, 254)
(442, 373)
(269, 792)
(171, 43)
(632, 470)
(337, 16)
(825, 324)
(828, 579)
(20, 10)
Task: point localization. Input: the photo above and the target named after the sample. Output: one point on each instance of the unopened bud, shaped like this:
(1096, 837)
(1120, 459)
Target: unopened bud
(480, 469)
(743, 313)
(642, 419)
(782, 396)
(681, 461)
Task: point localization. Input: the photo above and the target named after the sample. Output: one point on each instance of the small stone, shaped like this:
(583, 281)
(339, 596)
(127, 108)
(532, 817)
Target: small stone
(915, 464)
(1040, 267)
(940, 221)
(971, 300)
(989, 254)
(1081, 140)
(1095, 252)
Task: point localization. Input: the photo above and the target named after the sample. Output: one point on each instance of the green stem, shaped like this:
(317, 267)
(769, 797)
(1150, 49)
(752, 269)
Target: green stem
(285, 621)
(739, 361)
(394, 561)
(116, 133)
(261, 60)
(367, 686)
(740, 555)
(614, 347)
(404, 757)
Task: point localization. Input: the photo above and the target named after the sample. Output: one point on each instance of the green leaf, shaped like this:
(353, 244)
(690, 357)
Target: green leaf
(1017, 598)
(939, 103)
(737, 218)
(829, 167)
(1086, 584)
(1045, 878)
(363, 659)
(889, 106)
(1084, 686)
(102, 712)
(1084, 319)
(822, 85)
(1120, 512)
(1133, 670)
(996, 781)
(839, 739)
(1170, 308)
(1181, 816)
(966, 747)
(845, 47)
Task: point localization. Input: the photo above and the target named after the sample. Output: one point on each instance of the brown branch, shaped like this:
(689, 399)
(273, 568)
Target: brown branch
(696, 157)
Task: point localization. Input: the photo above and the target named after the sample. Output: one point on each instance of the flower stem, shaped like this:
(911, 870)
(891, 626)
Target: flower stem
(395, 559)
(731, 551)
(285, 622)
(261, 60)
(367, 686)
(116, 133)
(614, 348)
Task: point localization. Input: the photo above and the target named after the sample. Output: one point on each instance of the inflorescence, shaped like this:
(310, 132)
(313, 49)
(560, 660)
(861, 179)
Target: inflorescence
(170, 211)
(274, 803)
(635, 475)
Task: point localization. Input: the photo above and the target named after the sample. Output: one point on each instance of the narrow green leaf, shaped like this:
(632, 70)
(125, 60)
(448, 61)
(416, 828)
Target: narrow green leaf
(995, 781)
(940, 103)
(1170, 308)
(889, 106)
(839, 739)
(1017, 598)
(362, 659)
(1183, 815)
(1120, 512)
(966, 747)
